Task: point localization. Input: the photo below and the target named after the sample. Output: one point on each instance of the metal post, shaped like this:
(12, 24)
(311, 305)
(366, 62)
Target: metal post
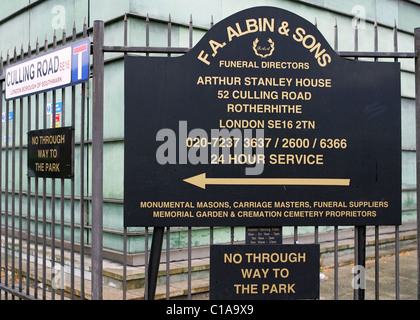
(417, 76)
(359, 293)
(155, 254)
(97, 158)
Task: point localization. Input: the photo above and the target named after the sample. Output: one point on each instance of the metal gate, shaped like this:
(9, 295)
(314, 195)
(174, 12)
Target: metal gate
(51, 230)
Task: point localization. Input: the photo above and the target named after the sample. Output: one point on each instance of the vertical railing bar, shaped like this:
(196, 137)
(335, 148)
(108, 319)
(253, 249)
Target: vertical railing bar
(168, 229)
(13, 185)
(189, 261)
(1, 158)
(376, 262)
(6, 181)
(28, 198)
(316, 234)
(417, 94)
(82, 181)
(44, 231)
(335, 227)
(44, 202)
(124, 297)
(1, 162)
(53, 112)
(356, 229)
(146, 263)
(360, 231)
(375, 43)
(232, 235)
(356, 38)
(397, 230)
(356, 245)
(22, 57)
(62, 203)
(146, 229)
(335, 35)
(125, 228)
(168, 263)
(169, 33)
(97, 159)
(190, 31)
(211, 239)
(36, 195)
(72, 186)
(147, 33)
(397, 263)
(82, 191)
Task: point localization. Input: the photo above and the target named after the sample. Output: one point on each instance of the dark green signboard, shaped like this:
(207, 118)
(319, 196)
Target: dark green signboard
(50, 153)
(269, 272)
(262, 124)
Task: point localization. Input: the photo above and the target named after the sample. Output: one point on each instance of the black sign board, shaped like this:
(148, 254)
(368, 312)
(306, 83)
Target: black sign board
(269, 272)
(50, 153)
(262, 124)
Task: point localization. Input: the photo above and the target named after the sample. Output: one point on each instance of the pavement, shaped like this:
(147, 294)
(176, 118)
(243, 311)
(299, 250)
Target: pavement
(393, 284)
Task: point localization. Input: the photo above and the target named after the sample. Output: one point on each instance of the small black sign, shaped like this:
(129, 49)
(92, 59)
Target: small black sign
(269, 272)
(50, 153)
(262, 124)
(263, 235)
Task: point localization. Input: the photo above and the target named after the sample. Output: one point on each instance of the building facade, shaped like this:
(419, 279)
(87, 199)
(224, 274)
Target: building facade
(162, 23)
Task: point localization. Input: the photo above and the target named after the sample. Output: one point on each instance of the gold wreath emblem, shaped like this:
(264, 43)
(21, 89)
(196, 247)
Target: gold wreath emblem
(255, 47)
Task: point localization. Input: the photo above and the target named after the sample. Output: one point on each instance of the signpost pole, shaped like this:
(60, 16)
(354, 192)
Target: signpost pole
(155, 253)
(359, 290)
(417, 80)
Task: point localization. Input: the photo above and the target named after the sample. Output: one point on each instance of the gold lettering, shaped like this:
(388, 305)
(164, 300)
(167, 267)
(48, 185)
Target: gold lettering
(216, 46)
(203, 57)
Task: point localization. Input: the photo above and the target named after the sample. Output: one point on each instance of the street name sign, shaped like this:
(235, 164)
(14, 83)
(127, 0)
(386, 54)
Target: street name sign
(65, 66)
